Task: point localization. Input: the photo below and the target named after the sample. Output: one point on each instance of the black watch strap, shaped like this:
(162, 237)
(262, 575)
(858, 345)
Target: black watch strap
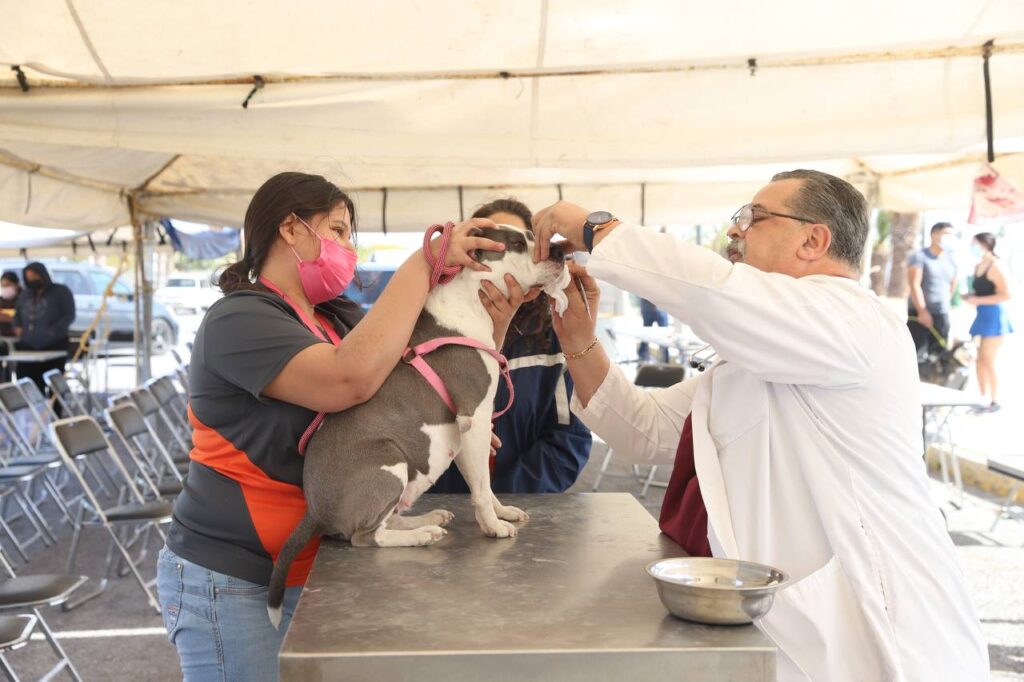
(588, 237)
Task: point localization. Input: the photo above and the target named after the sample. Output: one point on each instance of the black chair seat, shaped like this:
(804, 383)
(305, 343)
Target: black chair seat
(15, 631)
(37, 590)
(147, 511)
(169, 488)
(19, 472)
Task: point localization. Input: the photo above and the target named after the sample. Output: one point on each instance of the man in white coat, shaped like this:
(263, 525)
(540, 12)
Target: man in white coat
(806, 438)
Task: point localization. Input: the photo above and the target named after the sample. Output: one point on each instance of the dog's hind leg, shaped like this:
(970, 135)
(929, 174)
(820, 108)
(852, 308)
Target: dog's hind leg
(374, 496)
(436, 517)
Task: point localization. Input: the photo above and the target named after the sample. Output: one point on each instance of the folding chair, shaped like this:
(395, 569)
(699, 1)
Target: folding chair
(15, 632)
(654, 375)
(152, 412)
(172, 403)
(61, 390)
(32, 462)
(31, 592)
(181, 369)
(127, 423)
(82, 436)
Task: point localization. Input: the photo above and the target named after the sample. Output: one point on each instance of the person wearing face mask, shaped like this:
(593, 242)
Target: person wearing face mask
(10, 289)
(43, 315)
(278, 348)
(989, 292)
(931, 274)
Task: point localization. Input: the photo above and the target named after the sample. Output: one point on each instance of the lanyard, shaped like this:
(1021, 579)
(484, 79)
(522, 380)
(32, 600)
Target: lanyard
(318, 329)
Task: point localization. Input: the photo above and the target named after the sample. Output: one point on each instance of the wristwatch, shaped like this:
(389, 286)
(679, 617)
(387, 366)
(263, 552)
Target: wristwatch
(596, 221)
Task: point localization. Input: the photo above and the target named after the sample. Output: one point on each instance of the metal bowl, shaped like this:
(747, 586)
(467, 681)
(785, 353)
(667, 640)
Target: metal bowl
(716, 591)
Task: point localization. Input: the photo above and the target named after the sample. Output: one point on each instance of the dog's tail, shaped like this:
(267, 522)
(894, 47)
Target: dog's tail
(299, 538)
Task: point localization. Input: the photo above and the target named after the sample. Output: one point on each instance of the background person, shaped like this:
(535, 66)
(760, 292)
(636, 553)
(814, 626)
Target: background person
(990, 291)
(43, 315)
(10, 289)
(279, 347)
(544, 447)
(931, 272)
(800, 447)
(652, 317)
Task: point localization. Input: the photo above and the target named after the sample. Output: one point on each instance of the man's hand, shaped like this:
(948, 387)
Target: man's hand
(925, 319)
(565, 219)
(495, 444)
(502, 309)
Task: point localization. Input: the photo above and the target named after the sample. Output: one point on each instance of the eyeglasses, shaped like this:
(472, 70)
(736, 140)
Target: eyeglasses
(744, 218)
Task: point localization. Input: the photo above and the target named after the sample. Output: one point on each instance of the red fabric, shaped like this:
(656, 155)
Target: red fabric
(683, 515)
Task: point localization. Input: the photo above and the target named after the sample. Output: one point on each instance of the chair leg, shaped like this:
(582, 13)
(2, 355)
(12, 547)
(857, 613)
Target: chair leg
(604, 467)
(1003, 511)
(65, 662)
(35, 518)
(648, 481)
(153, 601)
(75, 537)
(8, 670)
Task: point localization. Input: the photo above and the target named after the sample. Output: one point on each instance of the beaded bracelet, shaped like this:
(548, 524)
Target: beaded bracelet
(576, 356)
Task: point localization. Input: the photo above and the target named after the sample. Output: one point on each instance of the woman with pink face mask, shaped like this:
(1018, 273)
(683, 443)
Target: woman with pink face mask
(278, 348)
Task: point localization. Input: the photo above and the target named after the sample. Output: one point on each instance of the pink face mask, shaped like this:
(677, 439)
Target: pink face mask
(328, 275)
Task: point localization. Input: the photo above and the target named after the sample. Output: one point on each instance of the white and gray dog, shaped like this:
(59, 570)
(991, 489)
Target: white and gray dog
(371, 462)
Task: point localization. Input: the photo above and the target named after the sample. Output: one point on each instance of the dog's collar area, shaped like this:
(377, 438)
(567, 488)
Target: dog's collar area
(413, 356)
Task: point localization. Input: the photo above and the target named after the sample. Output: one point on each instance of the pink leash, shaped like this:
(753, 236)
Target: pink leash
(439, 274)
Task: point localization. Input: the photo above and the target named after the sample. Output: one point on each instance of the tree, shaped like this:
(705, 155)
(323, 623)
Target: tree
(880, 252)
(905, 228)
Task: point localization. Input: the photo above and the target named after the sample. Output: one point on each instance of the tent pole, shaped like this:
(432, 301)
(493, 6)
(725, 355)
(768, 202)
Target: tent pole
(140, 329)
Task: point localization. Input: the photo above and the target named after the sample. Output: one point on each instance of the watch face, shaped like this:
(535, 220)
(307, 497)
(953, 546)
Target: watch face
(599, 217)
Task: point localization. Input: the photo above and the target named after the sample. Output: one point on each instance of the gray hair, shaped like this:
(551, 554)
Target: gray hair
(836, 203)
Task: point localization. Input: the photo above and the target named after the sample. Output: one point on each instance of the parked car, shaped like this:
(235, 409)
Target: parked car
(192, 292)
(369, 282)
(87, 283)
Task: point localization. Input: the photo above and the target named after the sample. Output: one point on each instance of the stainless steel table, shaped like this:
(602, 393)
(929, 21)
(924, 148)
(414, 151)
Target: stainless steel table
(568, 599)
(937, 404)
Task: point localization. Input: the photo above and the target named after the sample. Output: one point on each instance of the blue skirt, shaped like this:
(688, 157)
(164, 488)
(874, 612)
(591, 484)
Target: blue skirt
(992, 320)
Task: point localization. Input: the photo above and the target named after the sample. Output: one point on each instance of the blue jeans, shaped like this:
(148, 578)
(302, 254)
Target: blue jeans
(219, 623)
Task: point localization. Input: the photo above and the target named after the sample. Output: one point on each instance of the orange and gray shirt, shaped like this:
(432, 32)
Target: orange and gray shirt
(243, 494)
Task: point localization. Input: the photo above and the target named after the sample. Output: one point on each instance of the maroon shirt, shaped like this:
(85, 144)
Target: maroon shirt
(683, 515)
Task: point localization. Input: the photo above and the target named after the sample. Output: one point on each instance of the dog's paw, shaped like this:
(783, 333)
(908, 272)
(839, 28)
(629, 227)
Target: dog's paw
(440, 517)
(508, 513)
(428, 535)
(501, 529)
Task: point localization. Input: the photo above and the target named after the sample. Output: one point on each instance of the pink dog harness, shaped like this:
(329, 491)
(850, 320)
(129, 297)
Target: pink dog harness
(414, 356)
(440, 274)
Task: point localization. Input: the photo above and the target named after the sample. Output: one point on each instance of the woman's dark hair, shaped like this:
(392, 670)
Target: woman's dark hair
(286, 193)
(988, 240)
(11, 277)
(532, 322)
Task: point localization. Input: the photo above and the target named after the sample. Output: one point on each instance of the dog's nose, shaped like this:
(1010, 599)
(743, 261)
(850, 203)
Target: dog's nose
(556, 252)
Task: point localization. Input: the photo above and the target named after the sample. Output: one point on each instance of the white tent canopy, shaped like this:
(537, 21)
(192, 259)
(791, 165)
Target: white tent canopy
(651, 108)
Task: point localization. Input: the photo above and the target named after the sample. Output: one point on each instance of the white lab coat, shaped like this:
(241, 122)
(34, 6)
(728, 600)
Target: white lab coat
(807, 446)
